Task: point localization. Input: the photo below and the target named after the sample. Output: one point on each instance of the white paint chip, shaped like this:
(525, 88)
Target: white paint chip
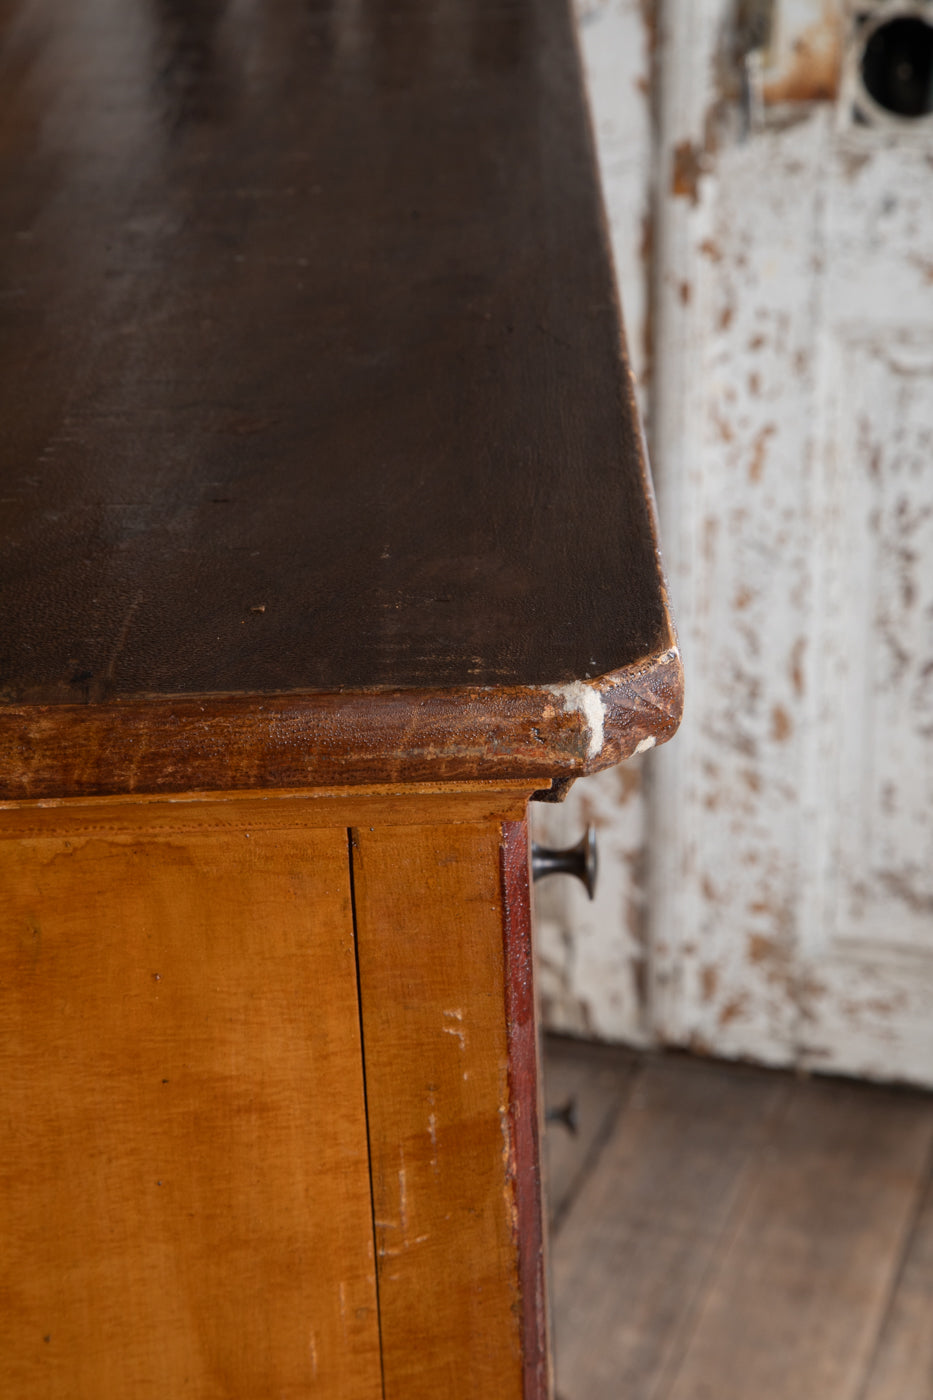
(577, 695)
(456, 1030)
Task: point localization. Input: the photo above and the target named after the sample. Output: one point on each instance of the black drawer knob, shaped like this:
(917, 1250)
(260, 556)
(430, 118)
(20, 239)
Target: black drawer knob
(565, 1115)
(579, 860)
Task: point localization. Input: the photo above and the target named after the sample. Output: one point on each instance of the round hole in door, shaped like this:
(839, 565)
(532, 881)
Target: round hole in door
(897, 66)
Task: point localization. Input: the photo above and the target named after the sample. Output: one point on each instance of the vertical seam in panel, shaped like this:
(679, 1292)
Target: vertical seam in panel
(369, 1150)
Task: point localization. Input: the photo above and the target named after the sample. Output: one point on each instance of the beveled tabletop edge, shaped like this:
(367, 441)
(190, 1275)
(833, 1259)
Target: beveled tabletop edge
(211, 743)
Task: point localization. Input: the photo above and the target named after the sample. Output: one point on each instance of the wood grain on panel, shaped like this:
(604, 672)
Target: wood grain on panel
(795, 1303)
(902, 1367)
(184, 1195)
(596, 1080)
(632, 1256)
(234, 812)
(429, 914)
(743, 1234)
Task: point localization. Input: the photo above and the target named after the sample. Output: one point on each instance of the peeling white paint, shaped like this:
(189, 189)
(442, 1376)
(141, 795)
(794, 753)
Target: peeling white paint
(403, 1201)
(589, 704)
(505, 1130)
(457, 1029)
(432, 1131)
(793, 820)
(393, 1252)
(406, 1240)
(790, 830)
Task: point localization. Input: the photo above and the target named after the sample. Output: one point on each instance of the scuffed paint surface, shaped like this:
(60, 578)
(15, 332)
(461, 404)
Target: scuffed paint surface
(726, 923)
(576, 695)
(792, 894)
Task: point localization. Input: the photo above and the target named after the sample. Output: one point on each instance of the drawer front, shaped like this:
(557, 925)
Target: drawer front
(184, 1186)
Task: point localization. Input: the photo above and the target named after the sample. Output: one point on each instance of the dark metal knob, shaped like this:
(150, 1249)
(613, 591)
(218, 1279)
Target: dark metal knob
(566, 1115)
(579, 860)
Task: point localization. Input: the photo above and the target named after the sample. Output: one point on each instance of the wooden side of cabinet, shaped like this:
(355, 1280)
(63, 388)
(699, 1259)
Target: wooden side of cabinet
(184, 1188)
(269, 1099)
(449, 1047)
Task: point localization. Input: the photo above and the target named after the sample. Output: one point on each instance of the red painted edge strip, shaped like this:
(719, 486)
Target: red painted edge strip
(524, 1108)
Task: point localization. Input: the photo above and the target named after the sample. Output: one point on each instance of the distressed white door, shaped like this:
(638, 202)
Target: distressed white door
(792, 887)
(790, 826)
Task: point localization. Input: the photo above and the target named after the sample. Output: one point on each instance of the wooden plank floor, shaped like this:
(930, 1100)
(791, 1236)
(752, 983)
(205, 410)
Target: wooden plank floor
(725, 1233)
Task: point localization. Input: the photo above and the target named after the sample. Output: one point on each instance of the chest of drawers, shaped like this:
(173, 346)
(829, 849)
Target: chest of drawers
(327, 545)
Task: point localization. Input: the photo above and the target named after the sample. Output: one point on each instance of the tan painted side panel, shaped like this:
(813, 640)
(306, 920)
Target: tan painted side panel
(184, 1193)
(429, 921)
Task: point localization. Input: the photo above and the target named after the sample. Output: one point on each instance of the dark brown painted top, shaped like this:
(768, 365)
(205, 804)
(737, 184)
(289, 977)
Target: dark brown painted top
(310, 387)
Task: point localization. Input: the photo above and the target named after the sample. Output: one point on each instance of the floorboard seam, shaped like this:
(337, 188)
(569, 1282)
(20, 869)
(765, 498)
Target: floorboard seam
(924, 1188)
(735, 1213)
